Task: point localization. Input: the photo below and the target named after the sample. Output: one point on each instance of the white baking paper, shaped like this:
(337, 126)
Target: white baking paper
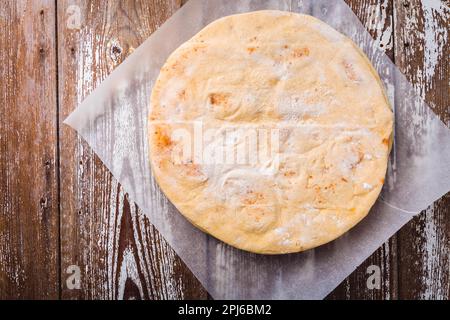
(113, 120)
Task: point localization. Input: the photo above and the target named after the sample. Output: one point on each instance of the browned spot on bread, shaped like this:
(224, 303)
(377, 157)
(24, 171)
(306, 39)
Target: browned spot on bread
(385, 141)
(162, 164)
(290, 173)
(343, 179)
(182, 95)
(382, 180)
(300, 52)
(249, 201)
(218, 98)
(350, 72)
(253, 198)
(200, 48)
(309, 182)
(175, 65)
(331, 186)
(251, 50)
(360, 159)
(162, 139)
(273, 81)
(192, 170)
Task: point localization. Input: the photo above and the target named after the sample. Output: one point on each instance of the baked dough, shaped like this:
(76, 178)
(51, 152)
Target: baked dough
(315, 106)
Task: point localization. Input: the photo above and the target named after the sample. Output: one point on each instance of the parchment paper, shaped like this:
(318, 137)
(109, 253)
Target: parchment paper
(113, 120)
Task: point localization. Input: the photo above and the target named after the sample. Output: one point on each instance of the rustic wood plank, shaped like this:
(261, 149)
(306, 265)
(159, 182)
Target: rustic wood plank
(119, 253)
(29, 262)
(376, 16)
(421, 52)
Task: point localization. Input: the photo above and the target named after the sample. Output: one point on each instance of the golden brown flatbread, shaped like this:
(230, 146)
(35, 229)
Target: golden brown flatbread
(270, 131)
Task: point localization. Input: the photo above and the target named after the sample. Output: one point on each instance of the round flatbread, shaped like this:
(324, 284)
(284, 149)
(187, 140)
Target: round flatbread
(270, 131)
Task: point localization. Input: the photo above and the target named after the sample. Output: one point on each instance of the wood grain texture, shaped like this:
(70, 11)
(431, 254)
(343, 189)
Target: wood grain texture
(120, 254)
(29, 265)
(421, 52)
(46, 57)
(377, 17)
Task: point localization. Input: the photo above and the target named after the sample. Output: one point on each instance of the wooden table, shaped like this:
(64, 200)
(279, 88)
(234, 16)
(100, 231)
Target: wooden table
(60, 207)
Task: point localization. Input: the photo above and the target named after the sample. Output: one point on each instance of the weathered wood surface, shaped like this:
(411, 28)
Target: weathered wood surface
(95, 227)
(29, 259)
(422, 54)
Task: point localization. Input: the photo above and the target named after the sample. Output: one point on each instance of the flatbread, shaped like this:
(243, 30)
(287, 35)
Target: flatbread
(270, 131)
